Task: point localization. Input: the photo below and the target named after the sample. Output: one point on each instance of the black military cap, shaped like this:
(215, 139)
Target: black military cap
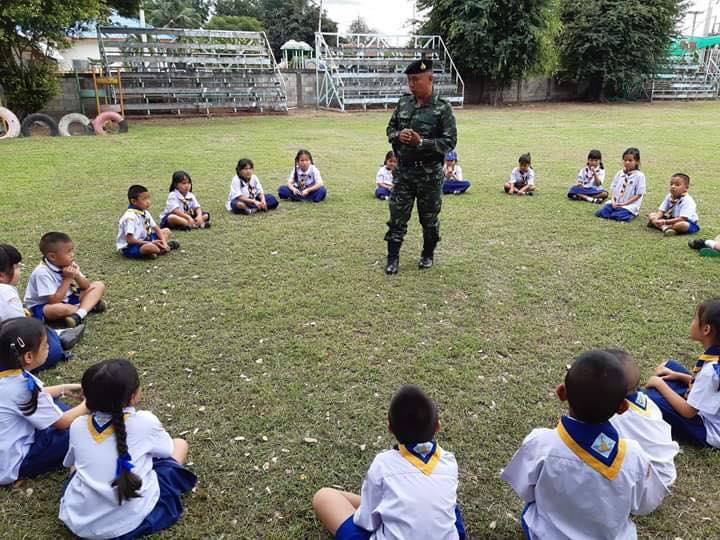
(419, 66)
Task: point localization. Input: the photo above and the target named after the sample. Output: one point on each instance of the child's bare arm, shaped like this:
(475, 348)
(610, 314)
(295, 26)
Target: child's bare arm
(678, 403)
(59, 296)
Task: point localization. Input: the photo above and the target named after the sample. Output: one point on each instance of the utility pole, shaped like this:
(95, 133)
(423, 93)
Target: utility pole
(694, 16)
(708, 18)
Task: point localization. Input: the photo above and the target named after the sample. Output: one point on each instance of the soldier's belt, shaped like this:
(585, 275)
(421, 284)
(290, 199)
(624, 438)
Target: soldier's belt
(420, 164)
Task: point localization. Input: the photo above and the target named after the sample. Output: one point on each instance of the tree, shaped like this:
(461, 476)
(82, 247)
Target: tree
(611, 45)
(239, 8)
(173, 14)
(359, 26)
(230, 22)
(29, 31)
(496, 40)
(292, 19)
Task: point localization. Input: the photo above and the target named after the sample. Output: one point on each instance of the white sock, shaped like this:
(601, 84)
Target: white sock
(710, 244)
(81, 313)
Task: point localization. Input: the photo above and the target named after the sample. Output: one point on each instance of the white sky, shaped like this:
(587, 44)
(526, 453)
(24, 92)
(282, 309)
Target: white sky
(385, 16)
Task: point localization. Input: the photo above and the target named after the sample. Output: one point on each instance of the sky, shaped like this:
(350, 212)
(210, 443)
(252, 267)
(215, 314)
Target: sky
(385, 16)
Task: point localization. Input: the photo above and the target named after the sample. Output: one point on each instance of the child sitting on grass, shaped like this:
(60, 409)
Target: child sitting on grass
(409, 492)
(246, 192)
(643, 422)
(628, 190)
(582, 480)
(453, 181)
(677, 213)
(589, 181)
(384, 177)
(138, 234)
(182, 209)
(690, 402)
(57, 289)
(522, 177)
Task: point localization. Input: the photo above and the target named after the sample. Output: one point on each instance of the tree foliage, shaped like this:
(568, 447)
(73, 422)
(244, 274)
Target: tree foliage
(231, 22)
(610, 45)
(360, 26)
(239, 8)
(496, 40)
(292, 19)
(29, 31)
(173, 14)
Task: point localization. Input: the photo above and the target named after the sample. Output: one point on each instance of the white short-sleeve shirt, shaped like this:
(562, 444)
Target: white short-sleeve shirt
(684, 208)
(586, 178)
(44, 281)
(177, 200)
(239, 187)
(305, 179)
(398, 501)
(10, 304)
(458, 173)
(634, 183)
(643, 422)
(89, 506)
(572, 500)
(135, 222)
(384, 176)
(520, 178)
(705, 397)
(17, 431)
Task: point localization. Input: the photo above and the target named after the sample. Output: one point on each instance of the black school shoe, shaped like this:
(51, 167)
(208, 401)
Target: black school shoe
(174, 244)
(100, 307)
(392, 265)
(70, 337)
(697, 243)
(425, 262)
(73, 321)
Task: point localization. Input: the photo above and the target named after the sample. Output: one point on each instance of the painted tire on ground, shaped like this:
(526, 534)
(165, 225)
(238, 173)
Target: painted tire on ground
(12, 124)
(74, 118)
(38, 118)
(109, 116)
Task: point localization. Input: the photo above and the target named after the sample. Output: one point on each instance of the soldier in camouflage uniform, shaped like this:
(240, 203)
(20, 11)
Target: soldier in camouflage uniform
(421, 131)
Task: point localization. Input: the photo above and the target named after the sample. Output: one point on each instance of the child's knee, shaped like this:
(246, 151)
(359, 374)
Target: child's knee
(99, 285)
(322, 497)
(181, 445)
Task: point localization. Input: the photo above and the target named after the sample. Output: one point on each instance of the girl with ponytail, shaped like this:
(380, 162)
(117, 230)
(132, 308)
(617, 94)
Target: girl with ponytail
(33, 423)
(129, 475)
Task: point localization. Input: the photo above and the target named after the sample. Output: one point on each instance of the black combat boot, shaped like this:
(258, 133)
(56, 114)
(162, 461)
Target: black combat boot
(393, 258)
(426, 257)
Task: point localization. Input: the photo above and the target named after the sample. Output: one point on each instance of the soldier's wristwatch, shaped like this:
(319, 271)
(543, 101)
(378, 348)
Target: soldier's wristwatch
(421, 141)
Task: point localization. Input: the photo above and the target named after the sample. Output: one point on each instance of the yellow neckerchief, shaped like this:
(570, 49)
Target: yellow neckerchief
(146, 221)
(667, 214)
(104, 431)
(10, 373)
(427, 465)
(609, 471)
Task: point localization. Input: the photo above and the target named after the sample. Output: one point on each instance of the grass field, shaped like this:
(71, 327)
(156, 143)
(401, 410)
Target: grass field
(266, 330)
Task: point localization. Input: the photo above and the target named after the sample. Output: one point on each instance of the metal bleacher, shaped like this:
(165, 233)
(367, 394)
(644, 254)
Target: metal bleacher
(181, 71)
(693, 76)
(366, 70)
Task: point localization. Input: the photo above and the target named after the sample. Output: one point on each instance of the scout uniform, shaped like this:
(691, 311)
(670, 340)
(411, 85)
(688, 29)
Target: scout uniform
(141, 225)
(582, 481)
(453, 181)
(89, 505)
(643, 422)
(684, 207)
(702, 394)
(303, 180)
(521, 179)
(585, 183)
(409, 492)
(177, 201)
(383, 176)
(44, 281)
(419, 171)
(624, 187)
(250, 189)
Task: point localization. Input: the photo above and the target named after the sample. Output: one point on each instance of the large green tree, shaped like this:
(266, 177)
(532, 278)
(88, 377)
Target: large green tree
(292, 19)
(239, 8)
(232, 22)
(493, 40)
(609, 46)
(173, 13)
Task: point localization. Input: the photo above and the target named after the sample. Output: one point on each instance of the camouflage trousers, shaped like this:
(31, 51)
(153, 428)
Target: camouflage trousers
(425, 186)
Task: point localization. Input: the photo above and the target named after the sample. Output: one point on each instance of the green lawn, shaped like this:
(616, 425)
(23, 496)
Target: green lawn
(269, 329)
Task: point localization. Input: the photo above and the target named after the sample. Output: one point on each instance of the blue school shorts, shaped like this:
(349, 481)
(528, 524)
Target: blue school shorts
(133, 251)
(47, 451)
(349, 531)
(38, 313)
(694, 227)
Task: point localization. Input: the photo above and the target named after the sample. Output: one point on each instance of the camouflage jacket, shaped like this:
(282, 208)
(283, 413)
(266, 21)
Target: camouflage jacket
(434, 121)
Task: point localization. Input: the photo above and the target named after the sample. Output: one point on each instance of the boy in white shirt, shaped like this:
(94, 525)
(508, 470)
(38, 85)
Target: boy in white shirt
(581, 481)
(409, 492)
(677, 213)
(57, 289)
(138, 234)
(643, 422)
(522, 177)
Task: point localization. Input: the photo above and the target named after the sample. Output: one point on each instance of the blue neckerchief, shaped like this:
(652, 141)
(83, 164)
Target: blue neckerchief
(30, 381)
(124, 462)
(423, 451)
(425, 456)
(598, 440)
(101, 421)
